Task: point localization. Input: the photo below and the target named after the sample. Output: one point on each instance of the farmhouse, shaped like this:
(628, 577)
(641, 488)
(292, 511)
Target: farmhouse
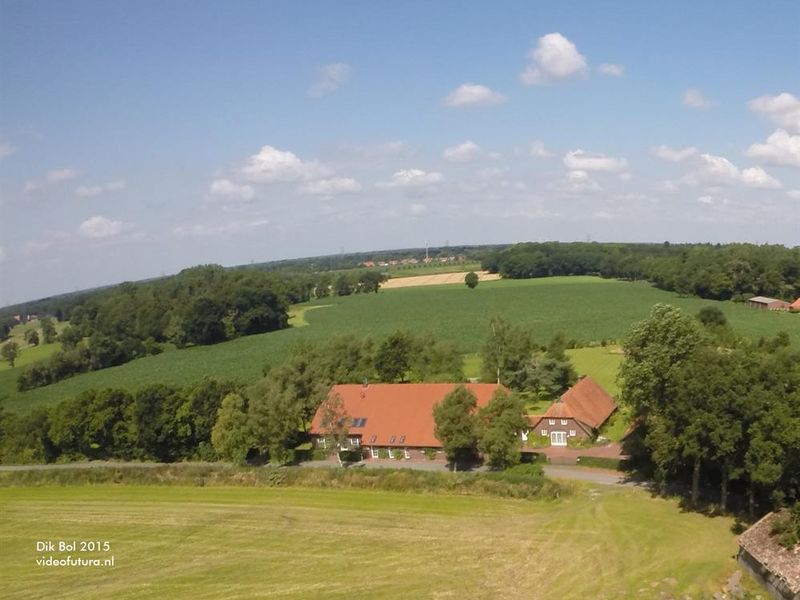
(767, 303)
(578, 414)
(393, 419)
(775, 567)
(795, 306)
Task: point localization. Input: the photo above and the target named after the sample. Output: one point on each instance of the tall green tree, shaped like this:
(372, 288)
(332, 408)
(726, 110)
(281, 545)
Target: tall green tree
(232, 435)
(457, 425)
(471, 280)
(501, 422)
(393, 358)
(48, 330)
(32, 337)
(275, 419)
(505, 351)
(10, 352)
(335, 425)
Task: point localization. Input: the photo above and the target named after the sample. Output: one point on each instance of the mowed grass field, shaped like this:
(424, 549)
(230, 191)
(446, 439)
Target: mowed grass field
(299, 543)
(583, 308)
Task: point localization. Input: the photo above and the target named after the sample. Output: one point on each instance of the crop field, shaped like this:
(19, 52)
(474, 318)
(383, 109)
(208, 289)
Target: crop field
(231, 542)
(583, 308)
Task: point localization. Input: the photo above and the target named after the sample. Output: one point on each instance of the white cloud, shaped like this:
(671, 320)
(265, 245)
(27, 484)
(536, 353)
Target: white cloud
(537, 150)
(705, 200)
(579, 160)
(331, 187)
(100, 227)
(718, 170)
(756, 177)
(555, 58)
(412, 178)
(793, 194)
(781, 148)
(228, 189)
(611, 70)
(579, 182)
(783, 109)
(331, 78)
(694, 98)
(674, 154)
(86, 191)
(464, 152)
(272, 165)
(472, 94)
(6, 149)
(60, 175)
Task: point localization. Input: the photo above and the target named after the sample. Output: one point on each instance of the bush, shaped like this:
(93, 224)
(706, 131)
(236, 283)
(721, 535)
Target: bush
(430, 453)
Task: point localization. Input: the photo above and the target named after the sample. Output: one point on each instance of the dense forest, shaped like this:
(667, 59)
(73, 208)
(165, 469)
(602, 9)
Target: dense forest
(713, 410)
(716, 272)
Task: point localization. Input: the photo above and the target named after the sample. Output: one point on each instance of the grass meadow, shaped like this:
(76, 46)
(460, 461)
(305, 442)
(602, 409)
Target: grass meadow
(297, 543)
(586, 309)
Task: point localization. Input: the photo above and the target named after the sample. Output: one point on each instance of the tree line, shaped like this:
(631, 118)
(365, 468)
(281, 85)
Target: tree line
(713, 408)
(717, 272)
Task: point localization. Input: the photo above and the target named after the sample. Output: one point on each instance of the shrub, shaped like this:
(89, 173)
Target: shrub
(430, 453)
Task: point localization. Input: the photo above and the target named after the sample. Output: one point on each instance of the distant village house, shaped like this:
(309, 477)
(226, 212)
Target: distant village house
(765, 303)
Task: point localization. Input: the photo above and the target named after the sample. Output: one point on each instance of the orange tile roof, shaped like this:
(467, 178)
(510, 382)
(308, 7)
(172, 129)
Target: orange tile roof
(397, 411)
(795, 305)
(589, 402)
(585, 402)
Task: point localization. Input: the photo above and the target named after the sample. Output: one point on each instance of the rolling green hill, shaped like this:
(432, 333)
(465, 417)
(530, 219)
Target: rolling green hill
(583, 308)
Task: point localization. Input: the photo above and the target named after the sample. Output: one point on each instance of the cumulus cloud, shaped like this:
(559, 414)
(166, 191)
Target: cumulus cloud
(473, 94)
(554, 58)
(611, 70)
(718, 170)
(86, 191)
(674, 154)
(271, 165)
(331, 78)
(6, 149)
(694, 98)
(705, 200)
(783, 109)
(331, 187)
(537, 150)
(781, 148)
(226, 188)
(579, 160)
(412, 178)
(100, 227)
(463, 152)
(579, 182)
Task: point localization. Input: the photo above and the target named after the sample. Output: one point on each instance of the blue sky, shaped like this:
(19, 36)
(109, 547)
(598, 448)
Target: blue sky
(138, 138)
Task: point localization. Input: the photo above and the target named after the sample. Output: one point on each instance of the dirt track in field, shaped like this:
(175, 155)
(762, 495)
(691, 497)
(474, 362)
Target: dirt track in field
(438, 279)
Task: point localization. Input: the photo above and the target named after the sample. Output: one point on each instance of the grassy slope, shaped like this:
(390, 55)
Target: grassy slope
(173, 542)
(584, 308)
(29, 354)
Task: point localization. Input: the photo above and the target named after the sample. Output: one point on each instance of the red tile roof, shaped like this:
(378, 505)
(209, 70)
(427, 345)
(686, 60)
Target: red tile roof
(394, 410)
(585, 402)
(795, 305)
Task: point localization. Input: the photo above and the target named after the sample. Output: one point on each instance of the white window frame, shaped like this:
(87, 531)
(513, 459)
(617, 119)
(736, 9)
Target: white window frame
(563, 421)
(355, 442)
(321, 443)
(544, 433)
(390, 453)
(406, 453)
(374, 452)
(572, 433)
(551, 421)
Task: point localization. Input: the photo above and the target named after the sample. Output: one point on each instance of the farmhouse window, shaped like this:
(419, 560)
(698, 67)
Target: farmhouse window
(374, 452)
(321, 443)
(391, 453)
(355, 442)
(544, 432)
(563, 421)
(406, 453)
(551, 421)
(571, 433)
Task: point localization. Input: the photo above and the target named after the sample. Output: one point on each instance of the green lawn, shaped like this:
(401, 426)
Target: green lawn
(583, 308)
(30, 354)
(297, 543)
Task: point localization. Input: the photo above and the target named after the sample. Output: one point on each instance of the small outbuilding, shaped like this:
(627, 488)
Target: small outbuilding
(795, 306)
(775, 567)
(765, 303)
